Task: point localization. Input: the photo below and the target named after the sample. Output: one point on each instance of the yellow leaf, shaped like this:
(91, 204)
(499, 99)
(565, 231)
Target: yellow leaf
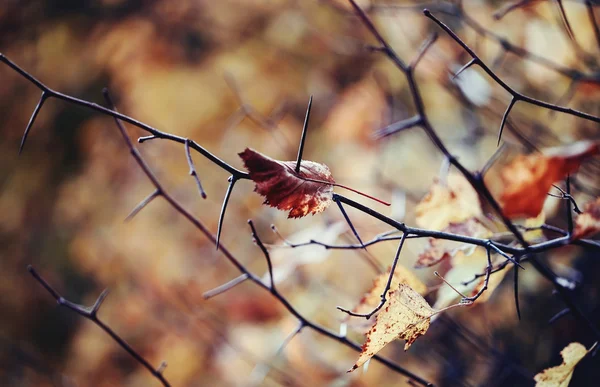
(453, 202)
(561, 375)
(372, 298)
(406, 316)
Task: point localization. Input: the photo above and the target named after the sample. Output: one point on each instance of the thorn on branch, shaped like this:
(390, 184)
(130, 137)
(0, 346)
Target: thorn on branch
(512, 103)
(423, 50)
(193, 172)
(143, 139)
(232, 180)
(303, 137)
(37, 109)
(225, 287)
(463, 68)
(142, 204)
(350, 224)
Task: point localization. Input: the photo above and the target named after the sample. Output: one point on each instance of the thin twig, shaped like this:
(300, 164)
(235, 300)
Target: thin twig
(91, 313)
(388, 285)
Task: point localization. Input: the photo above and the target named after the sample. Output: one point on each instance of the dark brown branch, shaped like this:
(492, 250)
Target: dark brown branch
(516, 95)
(243, 270)
(488, 273)
(475, 180)
(50, 93)
(91, 313)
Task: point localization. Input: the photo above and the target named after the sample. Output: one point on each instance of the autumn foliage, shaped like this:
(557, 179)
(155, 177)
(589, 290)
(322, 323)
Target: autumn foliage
(457, 244)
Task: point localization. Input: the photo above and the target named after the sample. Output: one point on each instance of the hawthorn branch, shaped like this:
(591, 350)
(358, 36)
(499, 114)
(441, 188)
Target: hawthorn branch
(91, 313)
(244, 271)
(476, 180)
(48, 93)
(516, 95)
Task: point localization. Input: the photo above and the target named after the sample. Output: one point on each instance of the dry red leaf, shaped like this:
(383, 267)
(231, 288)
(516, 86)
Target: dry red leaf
(285, 189)
(588, 223)
(441, 249)
(528, 179)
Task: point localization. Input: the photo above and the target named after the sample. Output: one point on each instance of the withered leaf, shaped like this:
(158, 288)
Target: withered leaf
(588, 223)
(527, 179)
(405, 316)
(372, 298)
(285, 189)
(453, 202)
(441, 249)
(561, 375)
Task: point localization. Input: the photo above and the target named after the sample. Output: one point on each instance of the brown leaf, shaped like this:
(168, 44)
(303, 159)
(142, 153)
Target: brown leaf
(285, 189)
(588, 223)
(528, 179)
(441, 249)
(453, 202)
(561, 375)
(406, 316)
(372, 298)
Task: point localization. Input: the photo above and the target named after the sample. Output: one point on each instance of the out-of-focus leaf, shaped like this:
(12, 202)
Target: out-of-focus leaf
(453, 202)
(528, 179)
(588, 223)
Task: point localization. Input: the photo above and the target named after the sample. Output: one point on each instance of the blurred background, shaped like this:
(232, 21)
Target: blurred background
(234, 74)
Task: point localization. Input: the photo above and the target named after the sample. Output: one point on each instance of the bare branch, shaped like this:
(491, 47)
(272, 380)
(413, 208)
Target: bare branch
(91, 313)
